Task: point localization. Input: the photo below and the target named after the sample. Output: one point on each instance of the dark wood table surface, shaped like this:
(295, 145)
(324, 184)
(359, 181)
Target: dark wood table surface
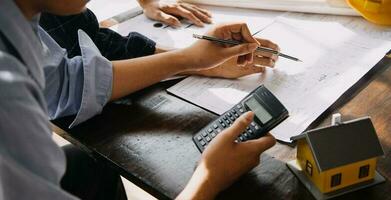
(148, 140)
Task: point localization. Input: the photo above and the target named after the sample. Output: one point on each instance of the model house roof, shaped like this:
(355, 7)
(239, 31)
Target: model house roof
(342, 144)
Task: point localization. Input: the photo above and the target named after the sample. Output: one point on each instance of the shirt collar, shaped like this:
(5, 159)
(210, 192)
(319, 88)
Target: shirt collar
(23, 35)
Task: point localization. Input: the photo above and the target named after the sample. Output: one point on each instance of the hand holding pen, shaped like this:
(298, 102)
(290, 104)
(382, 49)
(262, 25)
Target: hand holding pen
(226, 58)
(235, 42)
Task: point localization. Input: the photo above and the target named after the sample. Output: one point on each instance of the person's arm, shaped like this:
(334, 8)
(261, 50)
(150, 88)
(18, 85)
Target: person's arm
(30, 161)
(138, 73)
(168, 12)
(225, 160)
(132, 75)
(84, 84)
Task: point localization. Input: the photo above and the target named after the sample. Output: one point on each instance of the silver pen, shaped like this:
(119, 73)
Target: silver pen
(234, 42)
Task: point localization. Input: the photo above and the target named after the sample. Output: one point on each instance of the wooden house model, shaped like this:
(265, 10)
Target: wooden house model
(338, 158)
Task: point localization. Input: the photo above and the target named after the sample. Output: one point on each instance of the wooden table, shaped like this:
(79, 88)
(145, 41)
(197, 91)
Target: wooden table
(148, 140)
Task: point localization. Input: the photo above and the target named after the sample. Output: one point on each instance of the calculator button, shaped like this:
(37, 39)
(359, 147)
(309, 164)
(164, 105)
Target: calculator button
(245, 135)
(238, 106)
(253, 124)
(221, 121)
(202, 143)
(204, 133)
(248, 128)
(228, 122)
(256, 127)
(229, 114)
(223, 125)
(210, 130)
(241, 138)
(224, 117)
(199, 138)
(215, 126)
(250, 131)
(213, 134)
(232, 118)
(207, 138)
(236, 115)
(241, 110)
(218, 130)
(233, 111)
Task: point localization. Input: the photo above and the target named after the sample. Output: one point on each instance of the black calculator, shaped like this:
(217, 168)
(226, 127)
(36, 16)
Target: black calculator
(268, 110)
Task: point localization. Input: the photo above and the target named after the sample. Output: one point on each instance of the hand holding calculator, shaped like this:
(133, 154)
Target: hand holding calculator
(268, 110)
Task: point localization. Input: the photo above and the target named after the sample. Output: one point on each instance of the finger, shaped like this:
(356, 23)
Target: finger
(181, 11)
(204, 11)
(257, 69)
(268, 62)
(249, 58)
(262, 144)
(240, 29)
(226, 36)
(247, 34)
(237, 36)
(240, 125)
(168, 19)
(200, 15)
(268, 44)
(261, 54)
(240, 50)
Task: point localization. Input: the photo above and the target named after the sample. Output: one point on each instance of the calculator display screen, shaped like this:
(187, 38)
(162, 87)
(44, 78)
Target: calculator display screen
(258, 110)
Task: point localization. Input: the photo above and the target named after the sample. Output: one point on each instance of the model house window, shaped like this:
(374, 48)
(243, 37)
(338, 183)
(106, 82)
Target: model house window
(308, 167)
(364, 171)
(336, 180)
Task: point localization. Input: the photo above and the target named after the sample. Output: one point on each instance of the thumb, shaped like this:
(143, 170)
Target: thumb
(167, 19)
(241, 49)
(240, 125)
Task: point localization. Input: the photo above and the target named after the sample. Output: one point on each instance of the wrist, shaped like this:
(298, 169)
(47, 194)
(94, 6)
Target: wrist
(200, 186)
(186, 60)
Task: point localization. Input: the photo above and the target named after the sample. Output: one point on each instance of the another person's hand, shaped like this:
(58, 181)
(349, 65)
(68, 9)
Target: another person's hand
(205, 54)
(229, 69)
(225, 160)
(168, 12)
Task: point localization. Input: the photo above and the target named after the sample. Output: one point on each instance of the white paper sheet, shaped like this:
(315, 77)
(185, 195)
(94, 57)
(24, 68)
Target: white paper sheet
(336, 7)
(172, 38)
(105, 9)
(334, 59)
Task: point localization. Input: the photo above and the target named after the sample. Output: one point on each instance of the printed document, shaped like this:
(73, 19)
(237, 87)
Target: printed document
(173, 38)
(336, 7)
(334, 58)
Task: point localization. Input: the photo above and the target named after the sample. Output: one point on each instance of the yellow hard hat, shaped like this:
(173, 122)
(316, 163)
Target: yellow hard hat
(376, 11)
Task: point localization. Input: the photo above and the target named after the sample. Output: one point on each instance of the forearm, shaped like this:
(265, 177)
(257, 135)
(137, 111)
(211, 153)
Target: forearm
(160, 49)
(135, 74)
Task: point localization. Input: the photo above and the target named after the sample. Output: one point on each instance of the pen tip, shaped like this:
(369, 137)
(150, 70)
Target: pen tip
(197, 36)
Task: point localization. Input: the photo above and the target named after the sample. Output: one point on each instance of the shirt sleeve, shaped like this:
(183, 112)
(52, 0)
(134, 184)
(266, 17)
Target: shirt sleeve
(31, 164)
(116, 47)
(113, 46)
(81, 85)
